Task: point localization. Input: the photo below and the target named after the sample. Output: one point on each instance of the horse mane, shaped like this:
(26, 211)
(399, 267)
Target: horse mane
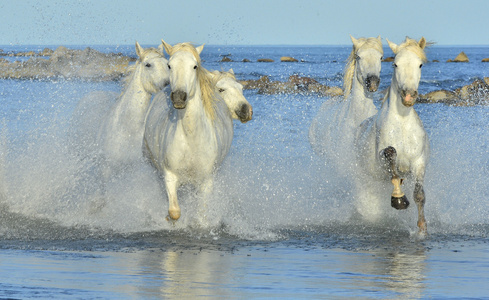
(223, 74)
(131, 70)
(186, 47)
(351, 61)
(208, 88)
(206, 81)
(413, 46)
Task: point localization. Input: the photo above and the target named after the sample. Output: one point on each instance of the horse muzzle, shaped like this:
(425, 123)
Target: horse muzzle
(244, 113)
(179, 99)
(409, 97)
(372, 83)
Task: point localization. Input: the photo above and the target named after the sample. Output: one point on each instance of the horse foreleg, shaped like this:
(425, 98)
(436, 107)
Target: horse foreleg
(398, 199)
(419, 198)
(171, 183)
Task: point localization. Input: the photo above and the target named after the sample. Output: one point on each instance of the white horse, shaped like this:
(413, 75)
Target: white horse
(231, 91)
(393, 143)
(189, 138)
(121, 134)
(332, 131)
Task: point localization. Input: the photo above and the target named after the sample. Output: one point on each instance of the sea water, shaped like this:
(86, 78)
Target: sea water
(282, 223)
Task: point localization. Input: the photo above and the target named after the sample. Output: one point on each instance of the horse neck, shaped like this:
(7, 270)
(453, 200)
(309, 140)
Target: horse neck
(194, 117)
(361, 103)
(135, 100)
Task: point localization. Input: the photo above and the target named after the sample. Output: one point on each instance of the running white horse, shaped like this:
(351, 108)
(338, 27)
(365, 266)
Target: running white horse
(189, 138)
(393, 143)
(332, 131)
(231, 91)
(121, 134)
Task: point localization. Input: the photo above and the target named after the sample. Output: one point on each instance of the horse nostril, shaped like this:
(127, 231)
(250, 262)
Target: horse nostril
(179, 99)
(413, 94)
(372, 83)
(245, 113)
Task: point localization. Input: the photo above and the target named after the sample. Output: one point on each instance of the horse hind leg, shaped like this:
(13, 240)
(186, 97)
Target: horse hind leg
(419, 198)
(398, 198)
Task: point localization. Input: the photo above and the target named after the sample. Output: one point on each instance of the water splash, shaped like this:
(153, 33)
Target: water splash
(271, 186)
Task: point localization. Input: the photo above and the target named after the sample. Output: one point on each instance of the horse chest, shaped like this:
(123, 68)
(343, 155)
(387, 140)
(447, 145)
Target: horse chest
(407, 137)
(191, 154)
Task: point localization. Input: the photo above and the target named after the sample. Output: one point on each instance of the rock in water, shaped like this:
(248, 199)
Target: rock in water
(440, 96)
(288, 59)
(461, 57)
(87, 64)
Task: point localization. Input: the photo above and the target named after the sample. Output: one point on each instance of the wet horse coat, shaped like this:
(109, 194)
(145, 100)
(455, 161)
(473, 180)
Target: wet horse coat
(121, 134)
(393, 143)
(332, 131)
(188, 138)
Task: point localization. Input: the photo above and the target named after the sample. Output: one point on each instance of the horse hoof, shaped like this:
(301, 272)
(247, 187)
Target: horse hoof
(173, 215)
(399, 202)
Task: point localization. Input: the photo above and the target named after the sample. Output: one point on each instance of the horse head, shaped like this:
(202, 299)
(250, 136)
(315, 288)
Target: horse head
(365, 61)
(231, 91)
(407, 65)
(152, 68)
(184, 65)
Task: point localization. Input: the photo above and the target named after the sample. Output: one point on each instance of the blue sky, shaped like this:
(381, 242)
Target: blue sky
(245, 22)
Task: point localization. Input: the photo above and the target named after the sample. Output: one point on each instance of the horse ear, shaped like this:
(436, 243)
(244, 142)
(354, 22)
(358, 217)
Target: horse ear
(139, 49)
(354, 41)
(160, 49)
(379, 38)
(393, 46)
(231, 71)
(200, 48)
(422, 43)
(168, 48)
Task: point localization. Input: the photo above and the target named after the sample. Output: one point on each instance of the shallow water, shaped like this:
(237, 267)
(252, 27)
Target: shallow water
(313, 266)
(281, 223)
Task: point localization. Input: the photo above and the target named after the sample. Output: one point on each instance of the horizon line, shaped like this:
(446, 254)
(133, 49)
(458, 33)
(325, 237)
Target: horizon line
(226, 45)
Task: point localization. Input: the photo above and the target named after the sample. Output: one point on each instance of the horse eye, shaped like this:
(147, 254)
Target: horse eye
(357, 57)
(169, 66)
(420, 66)
(394, 65)
(148, 65)
(221, 90)
(195, 67)
(381, 58)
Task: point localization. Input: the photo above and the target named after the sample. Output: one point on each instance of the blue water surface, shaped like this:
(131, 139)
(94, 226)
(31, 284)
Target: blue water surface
(283, 223)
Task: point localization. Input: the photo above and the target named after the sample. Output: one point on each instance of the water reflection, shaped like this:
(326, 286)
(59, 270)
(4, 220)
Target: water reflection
(187, 274)
(400, 274)
(284, 272)
(407, 273)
